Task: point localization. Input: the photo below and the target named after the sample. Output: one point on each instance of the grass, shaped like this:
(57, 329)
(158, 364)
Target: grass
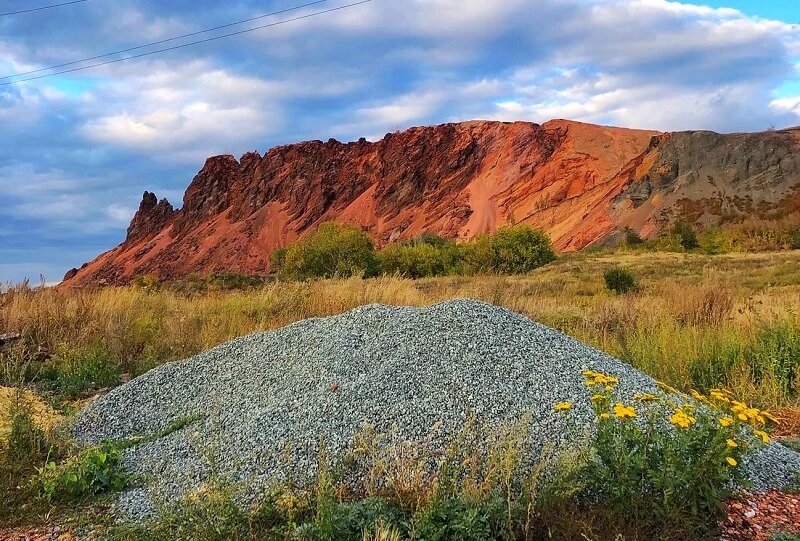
(694, 321)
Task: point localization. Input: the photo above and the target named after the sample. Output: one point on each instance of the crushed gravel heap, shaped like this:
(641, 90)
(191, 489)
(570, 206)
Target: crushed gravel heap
(398, 369)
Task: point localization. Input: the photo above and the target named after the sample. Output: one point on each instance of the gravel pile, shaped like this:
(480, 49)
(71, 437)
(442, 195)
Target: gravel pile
(403, 370)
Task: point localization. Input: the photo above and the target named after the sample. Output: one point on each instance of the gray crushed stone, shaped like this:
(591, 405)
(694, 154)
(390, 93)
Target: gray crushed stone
(272, 395)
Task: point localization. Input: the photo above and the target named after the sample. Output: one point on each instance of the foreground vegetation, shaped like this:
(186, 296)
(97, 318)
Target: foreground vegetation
(692, 320)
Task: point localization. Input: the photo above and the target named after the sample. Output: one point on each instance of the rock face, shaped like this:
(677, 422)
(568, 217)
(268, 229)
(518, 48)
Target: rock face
(582, 183)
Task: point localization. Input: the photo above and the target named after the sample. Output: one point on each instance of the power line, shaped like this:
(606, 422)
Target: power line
(129, 49)
(309, 15)
(42, 7)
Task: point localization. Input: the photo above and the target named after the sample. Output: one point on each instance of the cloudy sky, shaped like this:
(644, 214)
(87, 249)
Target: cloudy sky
(79, 148)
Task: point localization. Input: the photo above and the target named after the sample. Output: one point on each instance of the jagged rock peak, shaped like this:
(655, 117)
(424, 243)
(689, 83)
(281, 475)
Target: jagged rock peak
(151, 217)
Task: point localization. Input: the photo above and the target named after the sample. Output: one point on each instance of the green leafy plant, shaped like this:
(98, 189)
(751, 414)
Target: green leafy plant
(93, 471)
(620, 280)
(664, 462)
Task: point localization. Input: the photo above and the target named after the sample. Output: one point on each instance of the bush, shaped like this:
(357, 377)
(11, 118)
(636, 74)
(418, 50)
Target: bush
(277, 259)
(632, 238)
(796, 240)
(512, 250)
(335, 249)
(227, 281)
(714, 241)
(95, 470)
(620, 280)
(419, 260)
(664, 480)
(148, 282)
(686, 235)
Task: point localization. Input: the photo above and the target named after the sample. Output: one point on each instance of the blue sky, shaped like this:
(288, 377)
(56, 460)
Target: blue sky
(79, 149)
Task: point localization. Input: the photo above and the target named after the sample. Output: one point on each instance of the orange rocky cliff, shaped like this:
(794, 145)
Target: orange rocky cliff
(582, 183)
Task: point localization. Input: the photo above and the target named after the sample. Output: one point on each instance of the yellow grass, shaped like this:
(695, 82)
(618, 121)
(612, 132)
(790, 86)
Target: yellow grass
(691, 310)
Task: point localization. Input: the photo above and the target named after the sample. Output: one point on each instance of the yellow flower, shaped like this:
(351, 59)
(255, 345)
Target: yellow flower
(742, 417)
(663, 386)
(645, 397)
(763, 435)
(624, 412)
(682, 419)
(726, 421)
(563, 406)
(730, 460)
(593, 378)
(605, 415)
(732, 443)
(598, 397)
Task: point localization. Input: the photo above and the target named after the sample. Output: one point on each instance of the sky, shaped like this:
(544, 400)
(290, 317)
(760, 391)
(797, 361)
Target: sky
(78, 149)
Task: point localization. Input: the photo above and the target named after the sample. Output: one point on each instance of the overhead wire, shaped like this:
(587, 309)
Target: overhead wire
(181, 46)
(40, 8)
(166, 40)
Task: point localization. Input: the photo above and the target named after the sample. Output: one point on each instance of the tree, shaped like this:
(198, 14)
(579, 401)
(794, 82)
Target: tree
(687, 238)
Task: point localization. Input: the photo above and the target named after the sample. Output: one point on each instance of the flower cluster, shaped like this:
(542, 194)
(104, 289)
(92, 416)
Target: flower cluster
(682, 418)
(736, 411)
(682, 415)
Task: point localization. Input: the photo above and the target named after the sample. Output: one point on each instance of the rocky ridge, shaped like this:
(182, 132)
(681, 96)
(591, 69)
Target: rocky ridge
(582, 183)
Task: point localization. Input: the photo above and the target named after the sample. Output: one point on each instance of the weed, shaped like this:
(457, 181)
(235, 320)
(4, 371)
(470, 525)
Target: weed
(93, 471)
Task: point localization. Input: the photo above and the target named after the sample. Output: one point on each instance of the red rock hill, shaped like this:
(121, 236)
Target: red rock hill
(581, 183)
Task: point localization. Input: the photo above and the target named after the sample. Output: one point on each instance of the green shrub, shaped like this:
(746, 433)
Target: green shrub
(277, 259)
(76, 370)
(686, 235)
(419, 260)
(431, 240)
(664, 480)
(333, 250)
(93, 471)
(632, 238)
(713, 241)
(796, 240)
(512, 250)
(149, 282)
(620, 280)
(227, 281)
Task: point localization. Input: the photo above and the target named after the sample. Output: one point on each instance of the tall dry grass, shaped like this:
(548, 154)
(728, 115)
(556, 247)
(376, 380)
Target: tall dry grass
(698, 320)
